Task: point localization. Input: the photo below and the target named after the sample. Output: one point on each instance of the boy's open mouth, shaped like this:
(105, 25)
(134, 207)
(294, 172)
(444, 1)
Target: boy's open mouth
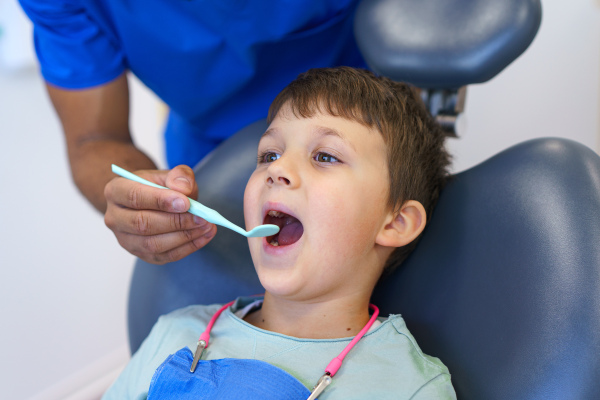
(290, 228)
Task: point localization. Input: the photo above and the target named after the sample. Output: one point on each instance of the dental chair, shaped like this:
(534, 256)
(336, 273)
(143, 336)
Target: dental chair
(504, 286)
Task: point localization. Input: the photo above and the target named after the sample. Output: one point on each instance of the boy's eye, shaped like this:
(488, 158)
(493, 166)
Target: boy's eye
(269, 157)
(325, 158)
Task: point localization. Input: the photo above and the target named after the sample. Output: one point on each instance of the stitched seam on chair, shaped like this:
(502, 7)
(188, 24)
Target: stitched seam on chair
(427, 383)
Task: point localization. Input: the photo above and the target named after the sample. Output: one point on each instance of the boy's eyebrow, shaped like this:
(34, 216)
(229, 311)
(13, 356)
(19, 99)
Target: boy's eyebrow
(268, 132)
(321, 130)
(325, 131)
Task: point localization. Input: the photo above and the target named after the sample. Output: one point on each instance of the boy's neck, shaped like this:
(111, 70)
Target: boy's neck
(336, 318)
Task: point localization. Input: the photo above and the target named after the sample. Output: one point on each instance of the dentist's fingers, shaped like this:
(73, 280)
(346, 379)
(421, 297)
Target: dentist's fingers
(129, 194)
(153, 223)
(124, 193)
(169, 247)
(150, 222)
(182, 179)
(187, 248)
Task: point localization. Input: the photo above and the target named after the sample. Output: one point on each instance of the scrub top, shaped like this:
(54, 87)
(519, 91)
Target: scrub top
(217, 64)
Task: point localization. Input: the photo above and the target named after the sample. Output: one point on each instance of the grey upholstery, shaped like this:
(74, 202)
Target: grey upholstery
(505, 286)
(444, 43)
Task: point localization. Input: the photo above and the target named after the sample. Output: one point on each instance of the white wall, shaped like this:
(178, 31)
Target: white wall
(551, 90)
(64, 279)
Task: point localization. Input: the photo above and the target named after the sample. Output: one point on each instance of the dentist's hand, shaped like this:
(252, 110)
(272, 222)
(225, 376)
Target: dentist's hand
(152, 223)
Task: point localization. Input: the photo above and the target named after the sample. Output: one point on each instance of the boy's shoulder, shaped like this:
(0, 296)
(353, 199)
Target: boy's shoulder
(410, 343)
(397, 365)
(194, 311)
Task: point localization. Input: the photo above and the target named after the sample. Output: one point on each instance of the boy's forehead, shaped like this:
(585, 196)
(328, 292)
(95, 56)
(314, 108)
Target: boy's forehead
(322, 124)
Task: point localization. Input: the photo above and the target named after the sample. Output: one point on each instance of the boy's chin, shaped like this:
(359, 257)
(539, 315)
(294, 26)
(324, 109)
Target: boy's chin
(278, 282)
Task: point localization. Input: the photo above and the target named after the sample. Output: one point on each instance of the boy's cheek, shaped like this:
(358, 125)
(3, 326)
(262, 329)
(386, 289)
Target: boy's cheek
(249, 203)
(254, 243)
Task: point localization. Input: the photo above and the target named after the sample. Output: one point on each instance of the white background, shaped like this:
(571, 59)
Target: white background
(63, 277)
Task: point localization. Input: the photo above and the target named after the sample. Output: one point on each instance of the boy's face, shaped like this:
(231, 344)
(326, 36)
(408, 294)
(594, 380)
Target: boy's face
(326, 179)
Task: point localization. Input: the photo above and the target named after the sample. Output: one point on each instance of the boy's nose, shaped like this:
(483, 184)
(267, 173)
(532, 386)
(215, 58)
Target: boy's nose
(282, 179)
(279, 173)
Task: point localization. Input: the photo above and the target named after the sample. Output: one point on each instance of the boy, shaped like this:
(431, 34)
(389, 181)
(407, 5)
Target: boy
(350, 167)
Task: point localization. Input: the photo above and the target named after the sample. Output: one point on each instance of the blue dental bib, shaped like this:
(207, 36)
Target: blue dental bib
(224, 379)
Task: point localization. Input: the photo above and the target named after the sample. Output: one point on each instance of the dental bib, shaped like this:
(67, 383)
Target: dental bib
(225, 379)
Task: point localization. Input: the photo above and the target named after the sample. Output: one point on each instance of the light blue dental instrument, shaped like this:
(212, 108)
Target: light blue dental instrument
(204, 212)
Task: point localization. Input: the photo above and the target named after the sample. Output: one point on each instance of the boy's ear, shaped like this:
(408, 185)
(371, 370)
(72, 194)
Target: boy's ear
(403, 226)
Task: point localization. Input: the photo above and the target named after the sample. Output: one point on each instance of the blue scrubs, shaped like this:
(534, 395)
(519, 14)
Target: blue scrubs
(217, 64)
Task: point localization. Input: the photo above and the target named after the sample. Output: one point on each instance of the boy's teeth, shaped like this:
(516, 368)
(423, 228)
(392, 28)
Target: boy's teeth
(274, 243)
(274, 213)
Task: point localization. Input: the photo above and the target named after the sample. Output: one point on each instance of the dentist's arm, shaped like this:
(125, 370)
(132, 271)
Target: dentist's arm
(149, 223)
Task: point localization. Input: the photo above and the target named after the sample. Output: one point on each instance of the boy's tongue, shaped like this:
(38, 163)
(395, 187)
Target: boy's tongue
(290, 233)
(291, 229)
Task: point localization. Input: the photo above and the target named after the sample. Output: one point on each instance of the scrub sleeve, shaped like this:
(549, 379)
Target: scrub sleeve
(217, 64)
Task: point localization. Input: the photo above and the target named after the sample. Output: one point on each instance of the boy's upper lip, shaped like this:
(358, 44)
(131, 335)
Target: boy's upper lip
(276, 206)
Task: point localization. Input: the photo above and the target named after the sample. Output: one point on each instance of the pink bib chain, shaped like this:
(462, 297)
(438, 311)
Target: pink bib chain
(331, 369)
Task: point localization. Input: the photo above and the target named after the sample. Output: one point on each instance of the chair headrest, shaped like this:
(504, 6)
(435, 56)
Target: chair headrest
(444, 43)
(504, 286)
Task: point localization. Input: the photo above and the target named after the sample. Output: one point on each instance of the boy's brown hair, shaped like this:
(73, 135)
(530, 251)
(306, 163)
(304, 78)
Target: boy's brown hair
(417, 159)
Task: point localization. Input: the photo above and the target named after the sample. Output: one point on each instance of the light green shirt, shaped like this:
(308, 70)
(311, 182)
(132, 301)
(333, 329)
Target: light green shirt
(386, 363)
